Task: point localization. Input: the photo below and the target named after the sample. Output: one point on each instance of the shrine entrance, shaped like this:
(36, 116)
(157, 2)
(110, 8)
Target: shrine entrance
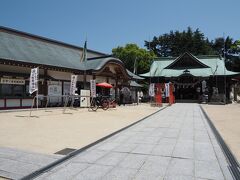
(187, 87)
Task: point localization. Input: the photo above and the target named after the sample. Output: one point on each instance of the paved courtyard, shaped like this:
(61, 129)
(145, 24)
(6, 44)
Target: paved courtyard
(51, 131)
(175, 143)
(15, 164)
(227, 122)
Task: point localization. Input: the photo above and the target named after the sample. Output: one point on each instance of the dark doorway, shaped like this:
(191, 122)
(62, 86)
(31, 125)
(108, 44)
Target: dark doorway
(186, 87)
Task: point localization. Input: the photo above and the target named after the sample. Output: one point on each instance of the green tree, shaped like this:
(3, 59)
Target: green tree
(233, 57)
(218, 44)
(176, 43)
(130, 54)
(235, 48)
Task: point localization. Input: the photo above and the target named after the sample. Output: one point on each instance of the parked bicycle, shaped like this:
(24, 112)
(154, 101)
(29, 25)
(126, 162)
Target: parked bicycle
(100, 101)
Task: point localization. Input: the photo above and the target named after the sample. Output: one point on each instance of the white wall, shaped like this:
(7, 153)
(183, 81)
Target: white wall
(1, 102)
(27, 102)
(13, 103)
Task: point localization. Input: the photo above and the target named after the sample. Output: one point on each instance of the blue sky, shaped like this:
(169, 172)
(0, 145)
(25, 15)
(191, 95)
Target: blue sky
(111, 23)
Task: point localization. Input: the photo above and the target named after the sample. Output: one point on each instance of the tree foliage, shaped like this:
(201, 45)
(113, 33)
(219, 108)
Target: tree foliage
(195, 42)
(235, 48)
(233, 57)
(176, 43)
(130, 54)
(219, 43)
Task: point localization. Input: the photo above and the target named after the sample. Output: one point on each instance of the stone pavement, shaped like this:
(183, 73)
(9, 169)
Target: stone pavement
(175, 143)
(15, 164)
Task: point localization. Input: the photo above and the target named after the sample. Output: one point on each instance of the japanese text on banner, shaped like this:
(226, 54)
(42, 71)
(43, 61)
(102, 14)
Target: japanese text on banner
(73, 84)
(33, 81)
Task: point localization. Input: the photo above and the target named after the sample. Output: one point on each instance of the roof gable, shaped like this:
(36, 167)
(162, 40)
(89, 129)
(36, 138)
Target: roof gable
(186, 61)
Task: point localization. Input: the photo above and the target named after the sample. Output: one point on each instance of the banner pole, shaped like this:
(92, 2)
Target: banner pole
(37, 84)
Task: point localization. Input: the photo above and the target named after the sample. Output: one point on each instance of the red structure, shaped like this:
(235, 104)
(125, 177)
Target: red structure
(171, 95)
(158, 94)
(161, 87)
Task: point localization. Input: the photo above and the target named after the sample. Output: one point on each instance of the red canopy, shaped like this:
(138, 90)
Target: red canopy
(105, 85)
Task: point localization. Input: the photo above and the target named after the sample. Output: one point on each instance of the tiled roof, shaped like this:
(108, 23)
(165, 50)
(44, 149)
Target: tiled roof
(29, 50)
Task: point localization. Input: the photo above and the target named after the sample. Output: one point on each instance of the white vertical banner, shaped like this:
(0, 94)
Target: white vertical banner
(151, 91)
(167, 90)
(93, 88)
(73, 84)
(33, 81)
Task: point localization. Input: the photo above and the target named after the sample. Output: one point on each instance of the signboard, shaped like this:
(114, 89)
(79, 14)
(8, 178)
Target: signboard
(33, 81)
(93, 88)
(12, 81)
(85, 99)
(73, 84)
(151, 90)
(55, 91)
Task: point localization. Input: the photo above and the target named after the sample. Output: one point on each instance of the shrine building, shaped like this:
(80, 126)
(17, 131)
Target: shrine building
(193, 76)
(57, 61)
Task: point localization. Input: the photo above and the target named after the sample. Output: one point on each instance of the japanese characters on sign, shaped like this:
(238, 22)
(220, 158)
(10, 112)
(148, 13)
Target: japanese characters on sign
(12, 81)
(33, 81)
(73, 84)
(93, 88)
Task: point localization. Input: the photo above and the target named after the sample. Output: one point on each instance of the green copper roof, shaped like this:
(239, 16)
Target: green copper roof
(215, 64)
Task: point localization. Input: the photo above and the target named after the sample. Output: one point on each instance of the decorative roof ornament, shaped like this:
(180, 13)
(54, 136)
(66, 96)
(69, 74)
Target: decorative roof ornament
(186, 71)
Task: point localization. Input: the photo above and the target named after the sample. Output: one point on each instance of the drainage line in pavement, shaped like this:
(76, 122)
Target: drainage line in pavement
(76, 152)
(232, 161)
